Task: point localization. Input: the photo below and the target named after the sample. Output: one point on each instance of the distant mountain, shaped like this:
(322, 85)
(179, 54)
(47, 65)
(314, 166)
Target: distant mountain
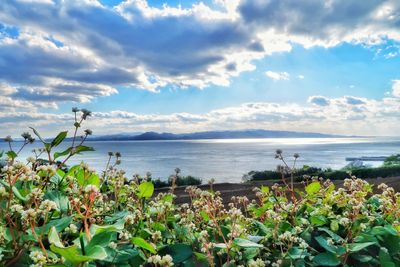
(240, 134)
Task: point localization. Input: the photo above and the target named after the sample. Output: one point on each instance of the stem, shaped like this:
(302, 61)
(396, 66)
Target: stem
(39, 240)
(15, 259)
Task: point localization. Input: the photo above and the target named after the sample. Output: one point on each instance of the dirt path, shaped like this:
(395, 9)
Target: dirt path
(228, 190)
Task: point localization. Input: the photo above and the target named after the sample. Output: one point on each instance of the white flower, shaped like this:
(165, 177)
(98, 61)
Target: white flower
(28, 215)
(91, 189)
(256, 263)
(48, 205)
(112, 245)
(38, 258)
(72, 228)
(167, 261)
(155, 259)
(16, 208)
(3, 192)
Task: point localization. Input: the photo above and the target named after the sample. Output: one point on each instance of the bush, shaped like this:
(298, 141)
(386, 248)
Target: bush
(179, 181)
(77, 219)
(364, 173)
(392, 160)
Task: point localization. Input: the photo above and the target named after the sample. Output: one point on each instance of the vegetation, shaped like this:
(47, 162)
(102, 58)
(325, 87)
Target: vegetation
(173, 181)
(76, 217)
(393, 160)
(389, 169)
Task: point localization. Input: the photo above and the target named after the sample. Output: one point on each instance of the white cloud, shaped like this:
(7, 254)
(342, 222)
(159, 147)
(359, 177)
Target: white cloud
(97, 48)
(342, 115)
(319, 100)
(277, 76)
(301, 77)
(325, 23)
(396, 88)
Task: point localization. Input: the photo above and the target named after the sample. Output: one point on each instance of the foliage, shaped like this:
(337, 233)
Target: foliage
(51, 217)
(392, 160)
(364, 173)
(180, 181)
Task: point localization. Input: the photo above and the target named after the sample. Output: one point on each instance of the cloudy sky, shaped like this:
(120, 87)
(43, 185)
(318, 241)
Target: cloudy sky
(180, 66)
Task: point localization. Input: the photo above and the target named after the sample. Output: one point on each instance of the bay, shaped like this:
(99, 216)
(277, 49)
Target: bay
(227, 160)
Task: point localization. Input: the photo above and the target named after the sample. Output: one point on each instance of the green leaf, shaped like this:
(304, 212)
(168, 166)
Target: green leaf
(322, 241)
(385, 259)
(54, 238)
(334, 225)
(145, 190)
(264, 230)
(11, 154)
(63, 153)
(250, 253)
(94, 179)
(61, 200)
(15, 191)
(73, 255)
(59, 138)
(102, 239)
(220, 245)
(297, 253)
(83, 179)
(387, 230)
(140, 242)
(326, 259)
(178, 252)
(265, 189)
(318, 220)
(392, 243)
(204, 215)
(355, 247)
(362, 258)
(334, 236)
(313, 188)
(244, 243)
(59, 224)
(200, 256)
(80, 149)
(118, 225)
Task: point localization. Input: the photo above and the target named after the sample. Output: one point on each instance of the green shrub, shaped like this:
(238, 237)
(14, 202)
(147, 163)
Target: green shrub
(364, 173)
(392, 160)
(180, 181)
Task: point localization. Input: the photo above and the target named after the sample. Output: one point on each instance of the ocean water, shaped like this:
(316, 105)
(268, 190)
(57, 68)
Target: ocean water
(227, 160)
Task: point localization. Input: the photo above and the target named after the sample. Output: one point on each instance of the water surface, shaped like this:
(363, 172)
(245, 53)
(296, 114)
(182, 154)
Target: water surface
(228, 159)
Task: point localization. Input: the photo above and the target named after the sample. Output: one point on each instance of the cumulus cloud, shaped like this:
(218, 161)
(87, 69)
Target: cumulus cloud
(325, 23)
(396, 88)
(321, 114)
(140, 46)
(277, 76)
(319, 100)
(354, 100)
(78, 50)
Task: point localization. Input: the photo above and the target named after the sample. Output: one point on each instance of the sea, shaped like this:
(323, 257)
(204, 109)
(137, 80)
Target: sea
(227, 160)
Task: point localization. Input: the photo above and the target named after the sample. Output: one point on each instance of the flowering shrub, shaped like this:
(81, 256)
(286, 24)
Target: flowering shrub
(53, 216)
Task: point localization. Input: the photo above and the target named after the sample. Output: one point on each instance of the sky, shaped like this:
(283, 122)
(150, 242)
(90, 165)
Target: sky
(184, 66)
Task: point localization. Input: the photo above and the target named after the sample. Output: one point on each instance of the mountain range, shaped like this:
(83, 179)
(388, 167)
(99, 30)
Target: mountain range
(239, 134)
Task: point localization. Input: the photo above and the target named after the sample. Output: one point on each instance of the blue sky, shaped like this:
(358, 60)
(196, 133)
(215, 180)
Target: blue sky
(183, 66)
